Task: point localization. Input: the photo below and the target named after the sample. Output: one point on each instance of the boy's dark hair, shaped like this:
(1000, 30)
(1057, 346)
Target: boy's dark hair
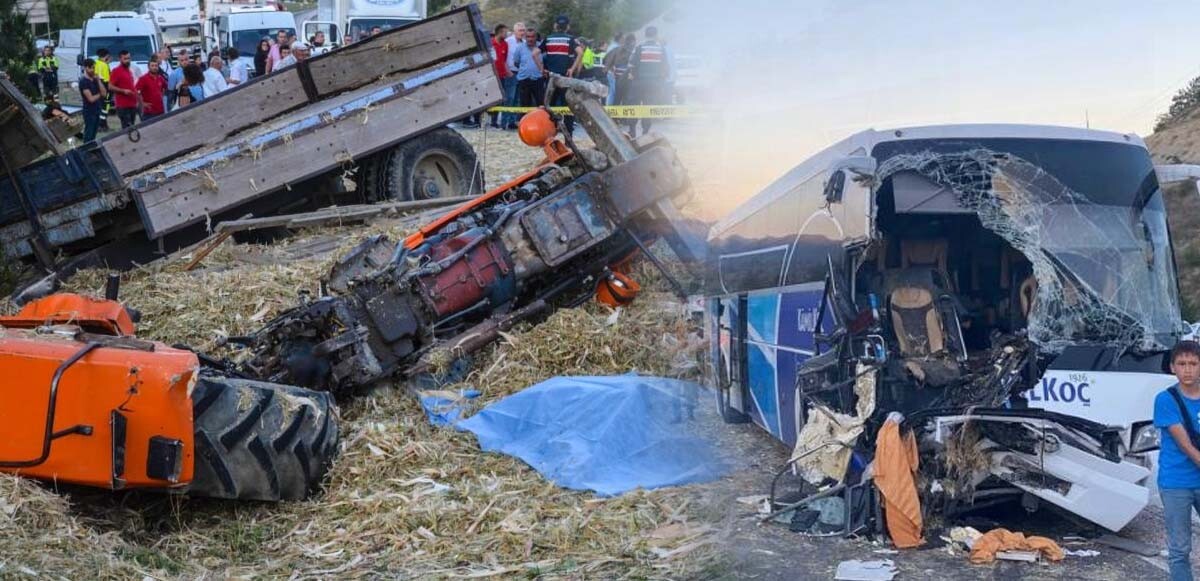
(1186, 347)
(89, 63)
(499, 27)
(102, 53)
(122, 53)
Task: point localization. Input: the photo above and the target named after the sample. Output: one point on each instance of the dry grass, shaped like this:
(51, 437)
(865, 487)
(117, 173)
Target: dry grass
(405, 499)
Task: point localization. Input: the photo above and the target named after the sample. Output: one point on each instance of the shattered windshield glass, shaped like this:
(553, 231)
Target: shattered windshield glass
(1101, 253)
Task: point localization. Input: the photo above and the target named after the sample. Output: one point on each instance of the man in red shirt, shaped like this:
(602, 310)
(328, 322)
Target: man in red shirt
(150, 90)
(507, 80)
(124, 90)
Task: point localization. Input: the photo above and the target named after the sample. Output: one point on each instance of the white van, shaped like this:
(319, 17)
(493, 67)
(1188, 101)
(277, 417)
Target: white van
(179, 21)
(118, 31)
(242, 27)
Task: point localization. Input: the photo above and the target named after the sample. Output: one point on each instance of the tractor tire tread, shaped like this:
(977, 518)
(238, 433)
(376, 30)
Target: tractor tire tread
(261, 441)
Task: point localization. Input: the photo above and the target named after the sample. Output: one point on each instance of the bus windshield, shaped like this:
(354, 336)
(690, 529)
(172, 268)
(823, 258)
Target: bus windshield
(1091, 208)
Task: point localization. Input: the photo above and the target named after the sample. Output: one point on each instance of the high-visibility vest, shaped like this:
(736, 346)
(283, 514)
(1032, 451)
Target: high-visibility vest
(47, 63)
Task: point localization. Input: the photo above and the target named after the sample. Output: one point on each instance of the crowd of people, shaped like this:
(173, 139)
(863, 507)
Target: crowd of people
(636, 73)
(169, 83)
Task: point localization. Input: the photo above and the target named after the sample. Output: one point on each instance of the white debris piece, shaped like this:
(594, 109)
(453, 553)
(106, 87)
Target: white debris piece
(857, 570)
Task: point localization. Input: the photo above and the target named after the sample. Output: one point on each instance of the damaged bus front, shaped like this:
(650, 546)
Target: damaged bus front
(1010, 289)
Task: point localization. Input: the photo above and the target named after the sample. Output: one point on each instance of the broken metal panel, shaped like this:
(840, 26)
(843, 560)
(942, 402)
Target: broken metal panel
(24, 137)
(1054, 462)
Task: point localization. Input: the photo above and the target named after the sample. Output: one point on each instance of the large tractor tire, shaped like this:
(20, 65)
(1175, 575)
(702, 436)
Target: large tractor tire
(261, 441)
(438, 164)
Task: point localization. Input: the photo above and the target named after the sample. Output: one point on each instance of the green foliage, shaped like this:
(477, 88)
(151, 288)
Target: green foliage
(600, 19)
(17, 50)
(440, 6)
(73, 13)
(1182, 104)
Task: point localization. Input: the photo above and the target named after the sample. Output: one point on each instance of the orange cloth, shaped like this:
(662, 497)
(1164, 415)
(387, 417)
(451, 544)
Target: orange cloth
(895, 476)
(985, 548)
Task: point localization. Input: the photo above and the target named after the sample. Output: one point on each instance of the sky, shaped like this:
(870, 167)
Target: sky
(793, 77)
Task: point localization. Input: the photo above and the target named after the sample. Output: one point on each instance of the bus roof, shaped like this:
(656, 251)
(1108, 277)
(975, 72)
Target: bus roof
(863, 142)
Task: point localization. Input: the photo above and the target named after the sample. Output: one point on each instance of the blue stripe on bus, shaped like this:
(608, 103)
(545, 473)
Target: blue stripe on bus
(785, 320)
(762, 387)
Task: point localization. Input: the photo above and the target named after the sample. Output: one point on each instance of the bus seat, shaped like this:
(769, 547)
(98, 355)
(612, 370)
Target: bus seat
(928, 253)
(1028, 293)
(921, 333)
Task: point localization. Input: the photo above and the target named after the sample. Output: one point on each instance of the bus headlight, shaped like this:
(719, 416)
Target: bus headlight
(1144, 439)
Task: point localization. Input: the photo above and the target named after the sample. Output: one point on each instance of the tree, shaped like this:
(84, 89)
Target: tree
(73, 13)
(17, 51)
(601, 19)
(1182, 105)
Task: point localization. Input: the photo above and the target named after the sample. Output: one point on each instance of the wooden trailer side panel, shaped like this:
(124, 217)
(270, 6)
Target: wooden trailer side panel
(213, 121)
(208, 122)
(417, 47)
(305, 145)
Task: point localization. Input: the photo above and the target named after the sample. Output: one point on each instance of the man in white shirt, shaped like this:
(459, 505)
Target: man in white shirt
(300, 52)
(239, 71)
(517, 37)
(164, 60)
(214, 81)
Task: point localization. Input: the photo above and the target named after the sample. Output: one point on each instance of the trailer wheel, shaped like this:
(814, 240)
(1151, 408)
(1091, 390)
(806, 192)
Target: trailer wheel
(438, 164)
(260, 441)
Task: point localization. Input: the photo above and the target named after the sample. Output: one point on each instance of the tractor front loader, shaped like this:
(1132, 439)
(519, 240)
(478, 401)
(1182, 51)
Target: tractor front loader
(85, 402)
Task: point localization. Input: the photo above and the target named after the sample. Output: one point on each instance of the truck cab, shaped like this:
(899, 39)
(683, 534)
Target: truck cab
(118, 31)
(178, 20)
(357, 18)
(242, 27)
(1011, 290)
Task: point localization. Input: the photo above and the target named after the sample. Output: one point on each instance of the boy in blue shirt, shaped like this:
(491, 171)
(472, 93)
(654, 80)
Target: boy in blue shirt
(1179, 456)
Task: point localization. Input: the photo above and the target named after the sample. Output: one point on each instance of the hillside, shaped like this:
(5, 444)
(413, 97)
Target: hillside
(1180, 143)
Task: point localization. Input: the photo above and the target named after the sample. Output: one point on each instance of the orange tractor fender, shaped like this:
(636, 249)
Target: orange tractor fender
(85, 403)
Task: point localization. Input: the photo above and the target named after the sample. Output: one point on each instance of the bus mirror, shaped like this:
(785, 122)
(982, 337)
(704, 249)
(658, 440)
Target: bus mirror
(862, 166)
(835, 186)
(859, 165)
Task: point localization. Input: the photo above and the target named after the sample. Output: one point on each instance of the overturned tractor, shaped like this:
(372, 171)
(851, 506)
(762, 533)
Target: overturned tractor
(553, 237)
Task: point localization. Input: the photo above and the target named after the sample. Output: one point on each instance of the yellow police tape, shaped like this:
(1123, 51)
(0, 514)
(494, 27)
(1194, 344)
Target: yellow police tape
(623, 111)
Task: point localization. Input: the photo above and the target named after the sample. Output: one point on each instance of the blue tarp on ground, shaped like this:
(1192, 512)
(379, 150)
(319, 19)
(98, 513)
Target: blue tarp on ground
(607, 434)
(443, 407)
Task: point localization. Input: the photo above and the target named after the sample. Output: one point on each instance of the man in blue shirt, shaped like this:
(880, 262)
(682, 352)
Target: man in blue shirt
(1179, 456)
(527, 60)
(92, 92)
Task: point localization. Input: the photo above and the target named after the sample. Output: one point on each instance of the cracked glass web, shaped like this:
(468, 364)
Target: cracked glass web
(1104, 273)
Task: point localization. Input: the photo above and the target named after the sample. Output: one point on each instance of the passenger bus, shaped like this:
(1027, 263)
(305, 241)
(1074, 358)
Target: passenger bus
(1019, 279)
